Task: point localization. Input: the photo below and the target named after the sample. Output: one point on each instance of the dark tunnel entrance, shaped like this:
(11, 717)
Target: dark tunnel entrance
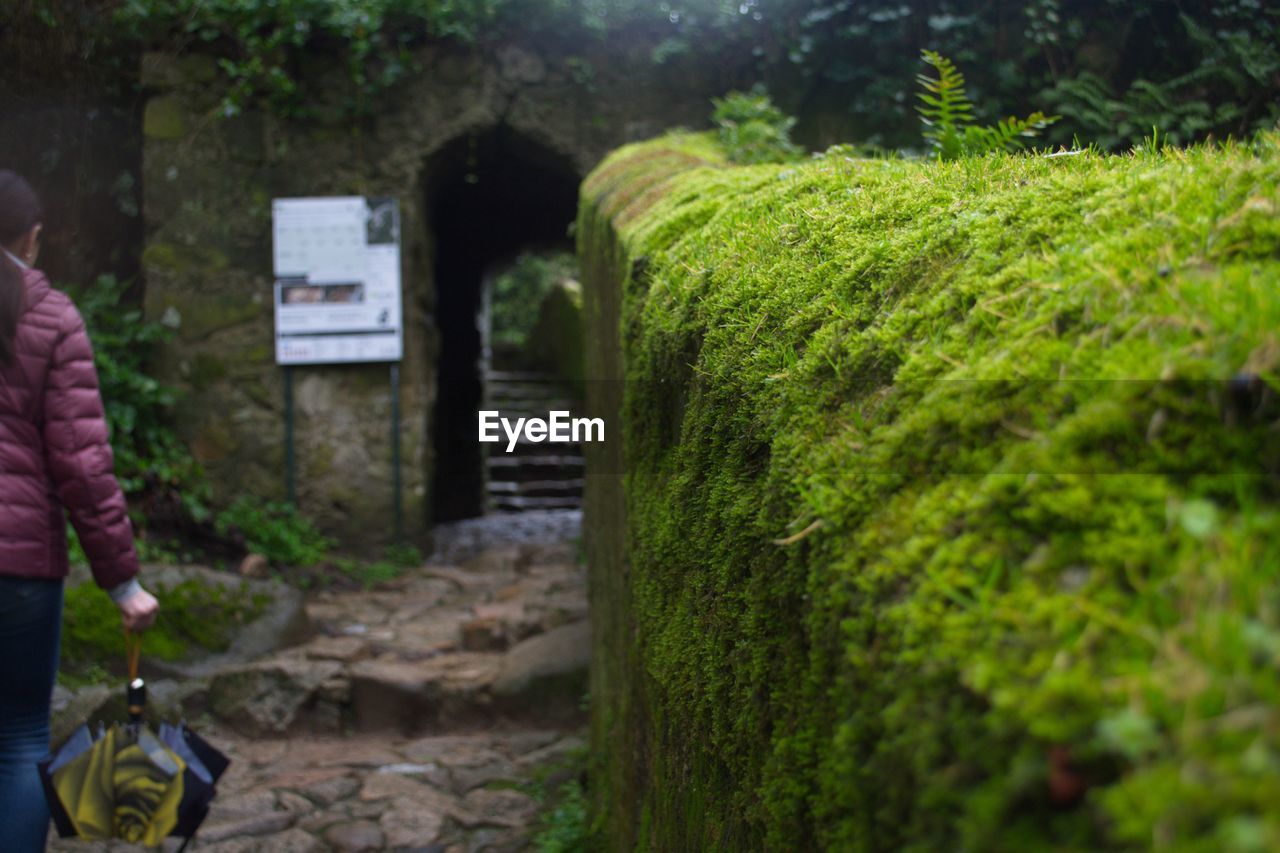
(490, 195)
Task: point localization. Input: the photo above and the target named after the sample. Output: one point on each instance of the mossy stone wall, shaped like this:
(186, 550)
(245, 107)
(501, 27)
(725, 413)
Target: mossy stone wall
(555, 342)
(209, 181)
(946, 508)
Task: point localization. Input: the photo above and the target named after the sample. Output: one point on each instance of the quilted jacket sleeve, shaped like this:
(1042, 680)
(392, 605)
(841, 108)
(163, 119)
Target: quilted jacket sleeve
(79, 457)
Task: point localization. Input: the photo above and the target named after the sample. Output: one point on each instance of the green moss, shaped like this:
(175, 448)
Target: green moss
(213, 441)
(197, 68)
(320, 460)
(935, 482)
(195, 619)
(202, 315)
(251, 358)
(555, 342)
(173, 257)
(163, 118)
(205, 370)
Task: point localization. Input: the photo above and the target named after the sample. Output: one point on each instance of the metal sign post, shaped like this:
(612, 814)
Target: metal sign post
(290, 475)
(397, 512)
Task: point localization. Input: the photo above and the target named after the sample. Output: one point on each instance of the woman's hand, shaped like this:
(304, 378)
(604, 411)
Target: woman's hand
(138, 610)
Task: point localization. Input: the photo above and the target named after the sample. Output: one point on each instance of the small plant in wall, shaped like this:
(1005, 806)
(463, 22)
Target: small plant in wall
(947, 114)
(752, 129)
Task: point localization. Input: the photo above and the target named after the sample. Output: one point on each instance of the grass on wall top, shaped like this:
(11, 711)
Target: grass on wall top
(953, 495)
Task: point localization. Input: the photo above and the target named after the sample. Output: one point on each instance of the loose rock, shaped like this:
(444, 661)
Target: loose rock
(356, 836)
(546, 676)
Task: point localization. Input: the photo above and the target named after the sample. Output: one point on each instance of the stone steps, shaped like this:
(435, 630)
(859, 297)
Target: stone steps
(534, 475)
(412, 716)
(555, 462)
(446, 647)
(521, 504)
(536, 488)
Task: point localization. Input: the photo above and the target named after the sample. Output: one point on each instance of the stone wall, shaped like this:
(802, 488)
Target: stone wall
(208, 184)
(69, 125)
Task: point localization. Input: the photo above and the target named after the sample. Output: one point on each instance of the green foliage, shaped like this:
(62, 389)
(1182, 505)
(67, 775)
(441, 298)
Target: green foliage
(565, 828)
(752, 129)
(938, 492)
(150, 461)
(261, 43)
(563, 821)
(948, 116)
(1112, 69)
(195, 618)
(346, 571)
(275, 530)
(265, 45)
(403, 555)
(369, 574)
(1189, 69)
(1235, 67)
(1223, 93)
(518, 291)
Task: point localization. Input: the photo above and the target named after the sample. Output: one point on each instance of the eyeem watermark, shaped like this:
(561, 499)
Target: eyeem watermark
(558, 428)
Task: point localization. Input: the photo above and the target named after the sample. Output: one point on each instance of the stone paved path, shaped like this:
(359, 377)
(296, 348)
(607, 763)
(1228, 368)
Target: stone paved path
(413, 719)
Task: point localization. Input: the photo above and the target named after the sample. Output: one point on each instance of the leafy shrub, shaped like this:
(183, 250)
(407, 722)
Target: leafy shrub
(157, 472)
(947, 115)
(1222, 89)
(274, 530)
(151, 463)
(752, 129)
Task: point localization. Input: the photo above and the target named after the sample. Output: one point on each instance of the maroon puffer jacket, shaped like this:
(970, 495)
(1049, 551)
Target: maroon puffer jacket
(54, 451)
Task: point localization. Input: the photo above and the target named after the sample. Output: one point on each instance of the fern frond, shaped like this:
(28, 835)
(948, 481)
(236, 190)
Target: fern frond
(944, 107)
(1005, 135)
(947, 114)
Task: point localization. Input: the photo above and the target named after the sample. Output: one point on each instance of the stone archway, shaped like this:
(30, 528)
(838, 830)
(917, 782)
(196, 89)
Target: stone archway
(488, 195)
(525, 116)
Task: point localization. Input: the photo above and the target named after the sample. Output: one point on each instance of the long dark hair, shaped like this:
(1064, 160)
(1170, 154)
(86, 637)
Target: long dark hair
(19, 212)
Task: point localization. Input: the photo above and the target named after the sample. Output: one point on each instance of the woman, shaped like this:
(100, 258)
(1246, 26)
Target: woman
(54, 456)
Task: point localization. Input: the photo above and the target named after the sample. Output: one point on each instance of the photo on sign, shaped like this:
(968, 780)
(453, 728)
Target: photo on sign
(383, 226)
(302, 293)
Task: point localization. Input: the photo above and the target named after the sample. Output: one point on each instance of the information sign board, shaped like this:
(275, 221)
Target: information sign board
(337, 280)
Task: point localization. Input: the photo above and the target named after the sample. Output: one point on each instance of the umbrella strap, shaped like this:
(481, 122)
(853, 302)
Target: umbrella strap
(133, 651)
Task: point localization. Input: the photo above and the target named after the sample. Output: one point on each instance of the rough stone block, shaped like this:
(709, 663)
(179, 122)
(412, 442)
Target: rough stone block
(484, 635)
(545, 677)
(164, 118)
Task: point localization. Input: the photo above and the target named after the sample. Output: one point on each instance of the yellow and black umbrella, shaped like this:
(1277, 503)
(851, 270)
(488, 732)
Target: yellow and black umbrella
(126, 782)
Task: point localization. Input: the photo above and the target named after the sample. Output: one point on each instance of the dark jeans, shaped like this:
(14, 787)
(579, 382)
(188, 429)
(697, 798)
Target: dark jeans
(30, 624)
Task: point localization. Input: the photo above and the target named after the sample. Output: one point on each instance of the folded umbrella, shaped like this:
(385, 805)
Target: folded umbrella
(126, 781)
(127, 785)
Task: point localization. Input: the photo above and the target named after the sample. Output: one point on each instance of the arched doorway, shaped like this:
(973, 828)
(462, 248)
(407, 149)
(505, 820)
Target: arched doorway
(489, 195)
